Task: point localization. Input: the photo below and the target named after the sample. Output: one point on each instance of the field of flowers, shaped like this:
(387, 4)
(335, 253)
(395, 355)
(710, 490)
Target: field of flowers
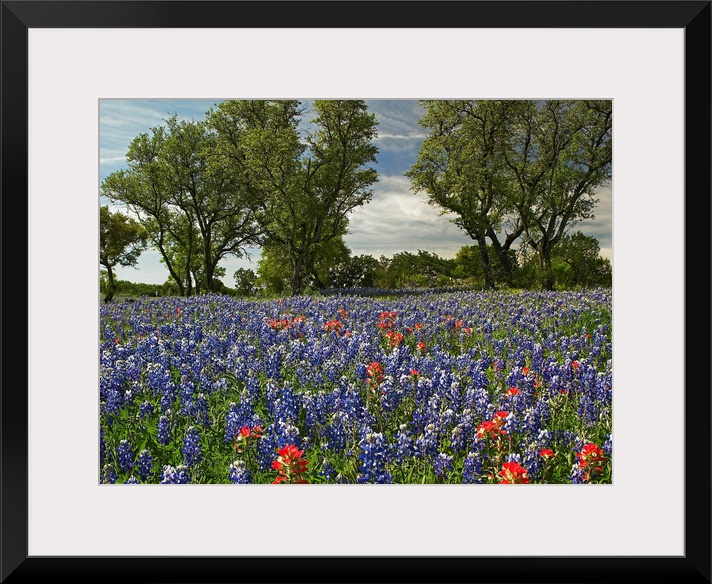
(461, 387)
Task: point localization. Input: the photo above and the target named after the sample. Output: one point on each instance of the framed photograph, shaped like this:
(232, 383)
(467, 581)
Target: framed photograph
(81, 80)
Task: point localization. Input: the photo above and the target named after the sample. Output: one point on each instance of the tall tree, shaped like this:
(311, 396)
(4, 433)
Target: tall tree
(307, 187)
(214, 197)
(145, 188)
(121, 242)
(557, 155)
(197, 210)
(514, 169)
(460, 167)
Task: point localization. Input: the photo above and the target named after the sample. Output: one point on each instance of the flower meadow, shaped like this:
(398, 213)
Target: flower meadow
(497, 387)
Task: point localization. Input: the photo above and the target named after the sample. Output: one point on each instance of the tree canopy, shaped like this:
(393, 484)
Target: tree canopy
(308, 185)
(121, 242)
(514, 168)
(285, 176)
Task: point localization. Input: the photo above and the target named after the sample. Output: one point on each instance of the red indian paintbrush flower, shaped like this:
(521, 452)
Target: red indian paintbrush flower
(590, 461)
(493, 428)
(387, 320)
(247, 435)
(375, 372)
(591, 455)
(513, 473)
(290, 466)
(333, 325)
(394, 339)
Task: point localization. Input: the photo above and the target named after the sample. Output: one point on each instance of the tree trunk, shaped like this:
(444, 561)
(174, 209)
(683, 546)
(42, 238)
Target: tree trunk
(110, 285)
(210, 265)
(209, 275)
(503, 251)
(486, 266)
(296, 279)
(547, 275)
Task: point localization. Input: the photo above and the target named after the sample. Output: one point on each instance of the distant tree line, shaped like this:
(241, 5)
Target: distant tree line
(516, 174)
(576, 263)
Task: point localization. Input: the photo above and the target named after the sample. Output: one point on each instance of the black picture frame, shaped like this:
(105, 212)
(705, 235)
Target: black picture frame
(19, 16)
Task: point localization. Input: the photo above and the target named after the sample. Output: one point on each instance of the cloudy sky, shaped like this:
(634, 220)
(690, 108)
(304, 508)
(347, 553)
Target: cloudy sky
(395, 220)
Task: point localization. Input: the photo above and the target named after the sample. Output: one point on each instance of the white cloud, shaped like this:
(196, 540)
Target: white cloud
(417, 136)
(397, 220)
(112, 159)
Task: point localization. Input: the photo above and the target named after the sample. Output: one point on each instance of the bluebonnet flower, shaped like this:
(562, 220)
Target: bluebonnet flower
(108, 475)
(102, 446)
(327, 470)
(462, 434)
(472, 468)
(166, 401)
(164, 430)
(316, 408)
(273, 363)
(238, 473)
(192, 453)
(113, 401)
(608, 445)
(145, 464)
(578, 475)
(283, 403)
(240, 415)
(285, 433)
(533, 461)
(427, 443)
(446, 419)
(374, 458)
(404, 444)
(132, 481)
(335, 432)
(174, 476)
(201, 410)
(146, 409)
(125, 455)
(442, 464)
(129, 396)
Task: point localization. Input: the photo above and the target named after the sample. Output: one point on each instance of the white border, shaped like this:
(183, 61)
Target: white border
(640, 69)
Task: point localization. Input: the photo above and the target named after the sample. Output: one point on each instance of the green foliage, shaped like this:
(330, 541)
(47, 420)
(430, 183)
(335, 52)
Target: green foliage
(421, 270)
(196, 209)
(307, 186)
(511, 169)
(121, 242)
(274, 267)
(469, 266)
(245, 282)
(355, 272)
(575, 263)
(134, 290)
